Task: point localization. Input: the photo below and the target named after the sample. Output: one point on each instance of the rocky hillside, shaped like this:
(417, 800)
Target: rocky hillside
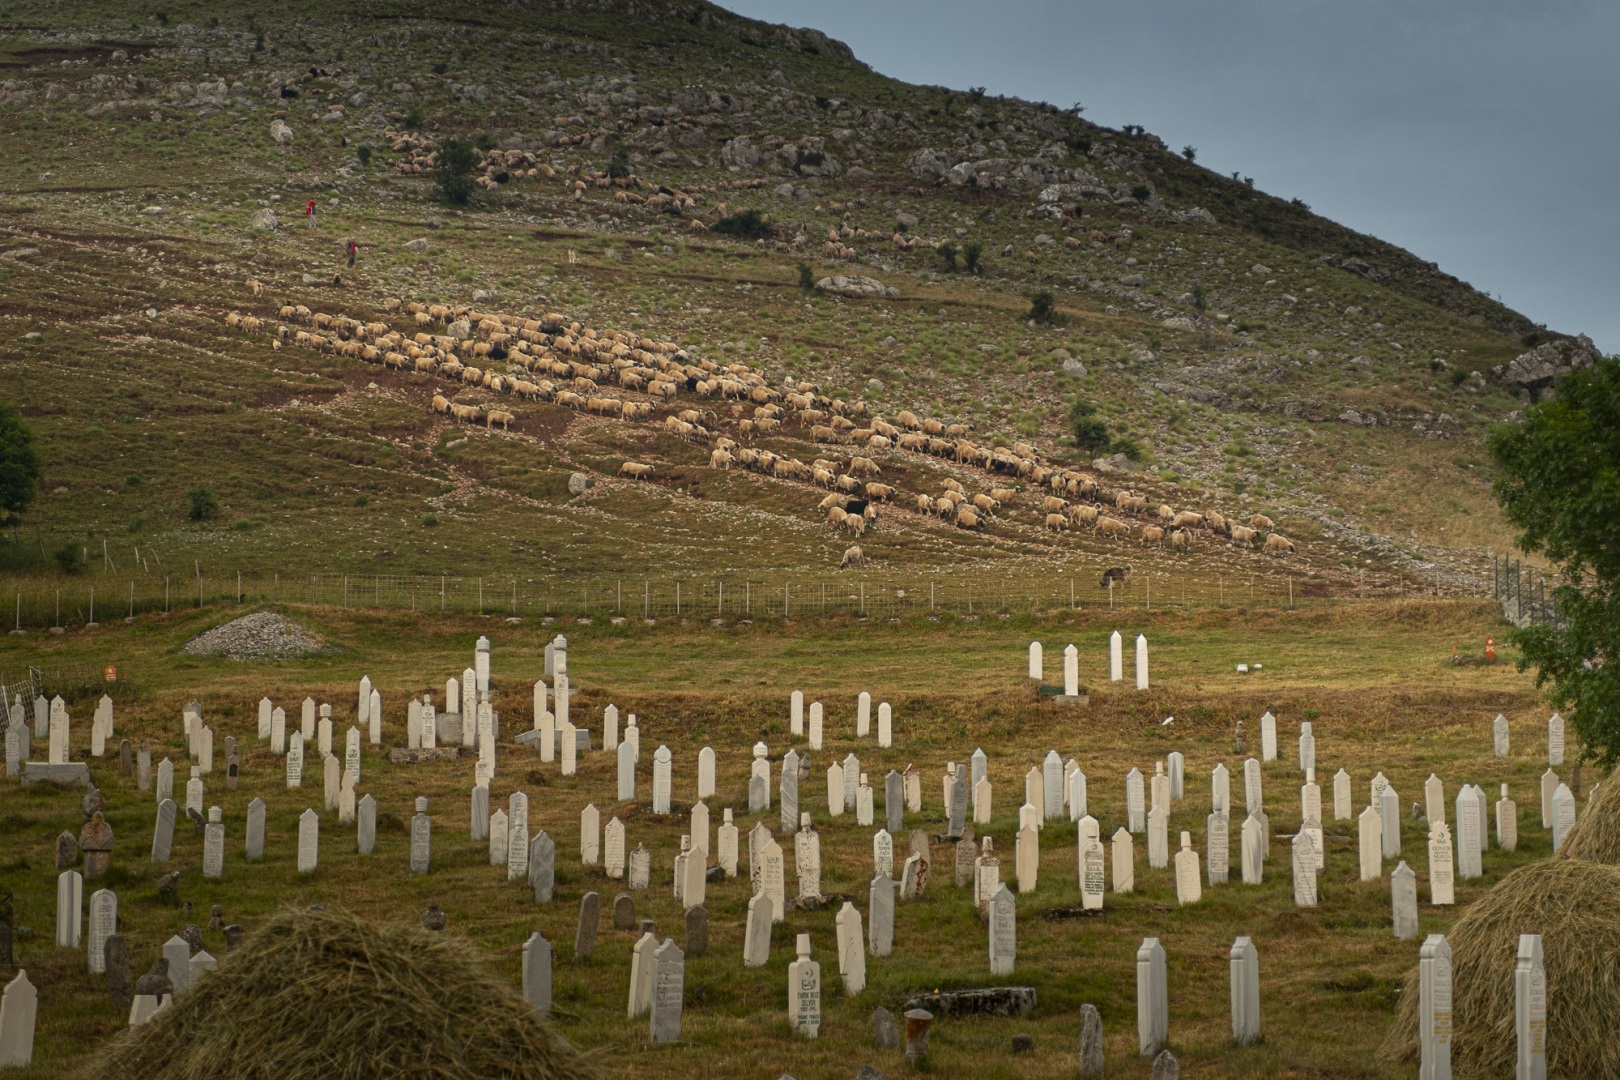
(689, 178)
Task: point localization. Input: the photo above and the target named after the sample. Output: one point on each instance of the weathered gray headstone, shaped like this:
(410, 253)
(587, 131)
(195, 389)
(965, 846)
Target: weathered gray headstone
(640, 873)
(421, 855)
(543, 867)
(697, 931)
(255, 829)
(309, 840)
(789, 793)
(624, 912)
(1244, 962)
(163, 832)
(214, 844)
(1003, 932)
(885, 1032)
(115, 961)
(103, 924)
(668, 992)
(590, 916)
(1404, 902)
(537, 973)
(880, 906)
(1091, 1041)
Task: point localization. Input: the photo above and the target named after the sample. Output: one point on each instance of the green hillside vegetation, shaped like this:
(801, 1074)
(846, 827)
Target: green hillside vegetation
(1251, 356)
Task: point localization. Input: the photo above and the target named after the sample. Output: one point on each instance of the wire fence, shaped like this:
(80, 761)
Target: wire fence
(73, 602)
(1522, 593)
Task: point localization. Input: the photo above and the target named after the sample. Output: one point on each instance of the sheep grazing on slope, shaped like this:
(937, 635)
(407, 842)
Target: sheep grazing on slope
(1056, 522)
(1107, 526)
(635, 470)
(1261, 522)
(1278, 545)
(853, 556)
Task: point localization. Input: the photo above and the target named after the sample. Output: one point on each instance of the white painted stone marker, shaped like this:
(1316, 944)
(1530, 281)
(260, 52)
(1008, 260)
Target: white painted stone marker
(1507, 822)
(804, 991)
(19, 1009)
(1152, 998)
(1268, 737)
(1434, 1010)
(1530, 1010)
(1555, 739)
(1141, 662)
(1499, 735)
(1037, 669)
(1442, 884)
(1116, 658)
(1563, 806)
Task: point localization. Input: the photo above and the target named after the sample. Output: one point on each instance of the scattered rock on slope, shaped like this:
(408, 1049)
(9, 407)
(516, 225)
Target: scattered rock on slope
(262, 635)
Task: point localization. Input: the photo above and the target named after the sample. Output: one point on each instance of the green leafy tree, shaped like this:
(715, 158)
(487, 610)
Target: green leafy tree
(1560, 484)
(19, 466)
(1089, 431)
(453, 162)
(947, 253)
(619, 163)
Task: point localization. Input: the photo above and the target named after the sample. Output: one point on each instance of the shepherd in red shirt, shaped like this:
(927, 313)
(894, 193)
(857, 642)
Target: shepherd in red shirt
(309, 213)
(354, 249)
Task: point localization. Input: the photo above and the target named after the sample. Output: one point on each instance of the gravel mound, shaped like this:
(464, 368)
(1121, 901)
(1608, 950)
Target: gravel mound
(260, 636)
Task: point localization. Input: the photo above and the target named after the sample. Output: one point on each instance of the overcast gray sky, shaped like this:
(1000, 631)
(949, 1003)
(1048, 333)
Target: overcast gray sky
(1481, 134)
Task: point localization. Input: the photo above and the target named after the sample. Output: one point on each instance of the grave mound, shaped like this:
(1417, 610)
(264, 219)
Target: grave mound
(1596, 835)
(1570, 903)
(263, 635)
(328, 994)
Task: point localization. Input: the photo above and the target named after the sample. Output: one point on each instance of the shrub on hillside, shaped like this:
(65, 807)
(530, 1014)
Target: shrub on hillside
(453, 163)
(970, 256)
(750, 224)
(204, 506)
(1043, 309)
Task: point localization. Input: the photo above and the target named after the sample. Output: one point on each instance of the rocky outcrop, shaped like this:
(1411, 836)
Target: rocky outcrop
(1537, 370)
(852, 285)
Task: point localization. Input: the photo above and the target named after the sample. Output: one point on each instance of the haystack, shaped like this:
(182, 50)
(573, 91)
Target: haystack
(1596, 835)
(330, 995)
(1571, 904)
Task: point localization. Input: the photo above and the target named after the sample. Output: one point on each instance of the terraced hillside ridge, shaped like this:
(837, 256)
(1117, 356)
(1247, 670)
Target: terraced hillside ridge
(670, 203)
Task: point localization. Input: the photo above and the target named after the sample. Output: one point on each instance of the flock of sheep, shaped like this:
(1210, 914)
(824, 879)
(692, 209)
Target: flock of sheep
(556, 360)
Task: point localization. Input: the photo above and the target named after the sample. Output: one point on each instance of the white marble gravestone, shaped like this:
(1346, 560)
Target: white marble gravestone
(1442, 884)
(1530, 1010)
(1434, 1009)
(663, 780)
(1152, 998)
(804, 991)
(1124, 860)
(309, 841)
(1507, 822)
(19, 1010)
(1003, 932)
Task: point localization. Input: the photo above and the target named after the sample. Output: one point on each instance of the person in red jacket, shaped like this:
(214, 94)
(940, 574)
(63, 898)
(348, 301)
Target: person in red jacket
(354, 249)
(309, 213)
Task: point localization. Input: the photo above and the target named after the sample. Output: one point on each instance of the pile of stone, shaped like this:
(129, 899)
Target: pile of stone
(260, 636)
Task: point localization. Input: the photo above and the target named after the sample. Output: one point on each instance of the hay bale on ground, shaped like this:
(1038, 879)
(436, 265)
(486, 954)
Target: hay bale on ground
(1596, 835)
(1570, 903)
(330, 995)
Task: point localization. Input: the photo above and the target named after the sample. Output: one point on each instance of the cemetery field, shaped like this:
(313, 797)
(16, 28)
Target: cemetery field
(1376, 681)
